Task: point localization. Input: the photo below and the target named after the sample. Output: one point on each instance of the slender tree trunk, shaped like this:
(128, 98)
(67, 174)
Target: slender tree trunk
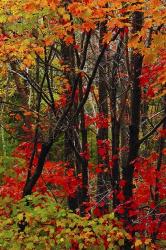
(84, 165)
(2, 131)
(103, 179)
(115, 129)
(69, 156)
(134, 128)
(33, 179)
(136, 62)
(160, 161)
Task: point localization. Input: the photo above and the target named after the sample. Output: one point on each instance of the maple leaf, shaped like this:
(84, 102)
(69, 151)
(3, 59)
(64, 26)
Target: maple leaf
(48, 41)
(147, 241)
(97, 212)
(30, 7)
(87, 26)
(39, 50)
(69, 40)
(138, 243)
(120, 196)
(18, 117)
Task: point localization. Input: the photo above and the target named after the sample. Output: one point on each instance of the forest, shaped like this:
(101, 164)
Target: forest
(82, 125)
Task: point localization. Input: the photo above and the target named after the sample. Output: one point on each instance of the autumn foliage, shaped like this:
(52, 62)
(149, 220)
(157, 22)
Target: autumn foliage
(83, 124)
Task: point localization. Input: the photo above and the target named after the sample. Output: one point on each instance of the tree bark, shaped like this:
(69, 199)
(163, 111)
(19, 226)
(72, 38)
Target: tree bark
(136, 62)
(134, 128)
(69, 156)
(115, 129)
(103, 178)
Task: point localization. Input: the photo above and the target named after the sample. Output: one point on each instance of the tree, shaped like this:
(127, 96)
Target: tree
(81, 71)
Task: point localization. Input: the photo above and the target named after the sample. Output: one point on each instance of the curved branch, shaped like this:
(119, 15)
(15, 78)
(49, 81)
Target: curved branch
(152, 131)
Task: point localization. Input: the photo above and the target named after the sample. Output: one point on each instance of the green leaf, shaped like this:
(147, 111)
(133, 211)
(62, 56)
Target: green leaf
(30, 245)
(121, 242)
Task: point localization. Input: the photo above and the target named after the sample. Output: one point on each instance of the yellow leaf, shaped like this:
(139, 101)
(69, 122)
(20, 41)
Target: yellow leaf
(138, 243)
(3, 19)
(20, 216)
(61, 11)
(112, 216)
(81, 245)
(28, 61)
(28, 216)
(147, 241)
(66, 17)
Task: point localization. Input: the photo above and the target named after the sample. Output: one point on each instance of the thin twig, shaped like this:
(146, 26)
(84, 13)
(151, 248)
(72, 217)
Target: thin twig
(152, 131)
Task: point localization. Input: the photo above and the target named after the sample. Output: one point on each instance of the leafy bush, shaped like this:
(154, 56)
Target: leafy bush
(49, 226)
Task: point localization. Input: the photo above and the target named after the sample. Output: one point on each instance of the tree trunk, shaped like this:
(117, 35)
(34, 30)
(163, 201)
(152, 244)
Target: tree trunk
(103, 178)
(134, 128)
(84, 162)
(115, 129)
(136, 62)
(69, 156)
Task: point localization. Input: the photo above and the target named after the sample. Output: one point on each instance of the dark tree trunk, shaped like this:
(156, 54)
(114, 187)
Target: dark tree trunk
(69, 156)
(84, 162)
(134, 128)
(115, 129)
(103, 179)
(160, 161)
(33, 179)
(136, 62)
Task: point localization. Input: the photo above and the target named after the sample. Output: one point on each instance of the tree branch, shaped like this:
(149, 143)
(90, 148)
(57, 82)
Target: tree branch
(152, 131)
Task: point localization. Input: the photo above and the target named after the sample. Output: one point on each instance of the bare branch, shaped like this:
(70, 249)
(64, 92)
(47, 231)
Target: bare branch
(152, 131)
